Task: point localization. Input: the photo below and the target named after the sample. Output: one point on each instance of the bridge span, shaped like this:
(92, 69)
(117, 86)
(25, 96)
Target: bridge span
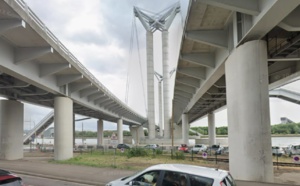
(37, 68)
(232, 53)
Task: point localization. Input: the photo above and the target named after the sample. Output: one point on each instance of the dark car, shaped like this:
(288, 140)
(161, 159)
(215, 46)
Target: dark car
(9, 179)
(183, 147)
(123, 146)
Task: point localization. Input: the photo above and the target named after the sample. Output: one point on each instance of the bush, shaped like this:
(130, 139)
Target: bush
(178, 155)
(159, 151)
(136, 152)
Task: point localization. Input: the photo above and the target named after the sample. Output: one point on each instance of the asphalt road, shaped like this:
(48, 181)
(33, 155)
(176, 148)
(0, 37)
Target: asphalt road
(38, 181)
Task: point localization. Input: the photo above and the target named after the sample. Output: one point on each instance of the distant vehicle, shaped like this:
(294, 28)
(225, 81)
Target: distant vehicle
(199, 148)
(183, 147)
(293, 150)
(123, 146)
(151, 146)
(9, 179)
(278, 151)
(216, 149)
(177, 174)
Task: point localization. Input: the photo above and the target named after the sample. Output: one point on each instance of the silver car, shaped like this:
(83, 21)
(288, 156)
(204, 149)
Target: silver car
(177, 174)
(199, 148)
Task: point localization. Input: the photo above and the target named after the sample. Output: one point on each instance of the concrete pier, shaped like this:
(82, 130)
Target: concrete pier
(63, 128)
(249, 128)
(11, 129)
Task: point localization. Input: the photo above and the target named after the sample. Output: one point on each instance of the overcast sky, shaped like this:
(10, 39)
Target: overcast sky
(98, 33)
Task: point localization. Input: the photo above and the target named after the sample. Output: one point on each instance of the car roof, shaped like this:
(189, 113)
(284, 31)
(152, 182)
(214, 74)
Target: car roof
(191, 169)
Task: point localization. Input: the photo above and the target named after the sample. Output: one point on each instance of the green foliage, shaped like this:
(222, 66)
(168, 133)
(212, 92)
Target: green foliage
(201, 130)
(291, 128)
(136, 152)
(146, 132)
(158, 151)
(221, 131)
(179, 155)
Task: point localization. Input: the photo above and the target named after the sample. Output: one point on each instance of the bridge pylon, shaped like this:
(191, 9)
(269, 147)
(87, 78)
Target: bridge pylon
(162, 22)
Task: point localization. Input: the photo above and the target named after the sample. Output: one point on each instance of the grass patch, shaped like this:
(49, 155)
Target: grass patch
(122, 161)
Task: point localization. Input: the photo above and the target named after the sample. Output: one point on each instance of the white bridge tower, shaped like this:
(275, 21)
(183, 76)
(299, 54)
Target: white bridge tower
(151, 23)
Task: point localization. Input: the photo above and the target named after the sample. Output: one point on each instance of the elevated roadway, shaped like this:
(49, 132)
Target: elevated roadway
(36, 67)
(213, 30)
(232, 53)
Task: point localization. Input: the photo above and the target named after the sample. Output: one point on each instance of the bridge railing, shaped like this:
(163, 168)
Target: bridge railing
(38, 126)
(35, 18)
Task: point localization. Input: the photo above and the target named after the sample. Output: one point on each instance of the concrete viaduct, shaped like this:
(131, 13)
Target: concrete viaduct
(37, 68)
(232, 53)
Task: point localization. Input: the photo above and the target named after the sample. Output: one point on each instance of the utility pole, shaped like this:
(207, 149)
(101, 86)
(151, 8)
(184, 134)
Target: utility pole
(82, 133)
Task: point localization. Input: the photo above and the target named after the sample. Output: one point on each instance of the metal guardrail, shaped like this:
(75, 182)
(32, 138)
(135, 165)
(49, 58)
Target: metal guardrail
(86, 72)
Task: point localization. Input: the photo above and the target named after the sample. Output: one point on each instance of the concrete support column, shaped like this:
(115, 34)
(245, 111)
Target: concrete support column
(167, 99)
(185, 128)
(249, 130)
(63, 128)
(137, 133)
(120, 130)
(74, 132)
(141, 134)
(100, 132)
(150, 85)
(211, 129)
(11, 129)
(134, 134)
(160, 112)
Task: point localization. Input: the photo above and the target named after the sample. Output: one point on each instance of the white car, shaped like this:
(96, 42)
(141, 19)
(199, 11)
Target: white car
(278, 151)
(177, 174)
(199, 148)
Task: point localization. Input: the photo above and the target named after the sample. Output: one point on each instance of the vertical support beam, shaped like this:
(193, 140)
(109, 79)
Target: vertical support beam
(150, 85)
(133, 132)
(120, 130)
(141, 134)
(185, 129)
(248, 113)
(160, 114)
(100, 132)
(165, 59)
(74, 132)
(211, 129)
(63, 128)
(11, 129)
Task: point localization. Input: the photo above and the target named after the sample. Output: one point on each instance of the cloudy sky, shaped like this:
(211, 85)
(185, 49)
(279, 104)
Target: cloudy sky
(98, 33)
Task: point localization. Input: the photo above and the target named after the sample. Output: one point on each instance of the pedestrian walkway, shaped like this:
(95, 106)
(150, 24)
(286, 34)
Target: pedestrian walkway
(40, 167)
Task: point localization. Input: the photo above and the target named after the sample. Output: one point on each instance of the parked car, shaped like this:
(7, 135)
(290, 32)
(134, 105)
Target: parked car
(123, 146)
(9, 179)
(151, 146)
(199, 148)
(293, 150)
(183, 147)
(216, 149)
(277, 151)
(177, 174)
